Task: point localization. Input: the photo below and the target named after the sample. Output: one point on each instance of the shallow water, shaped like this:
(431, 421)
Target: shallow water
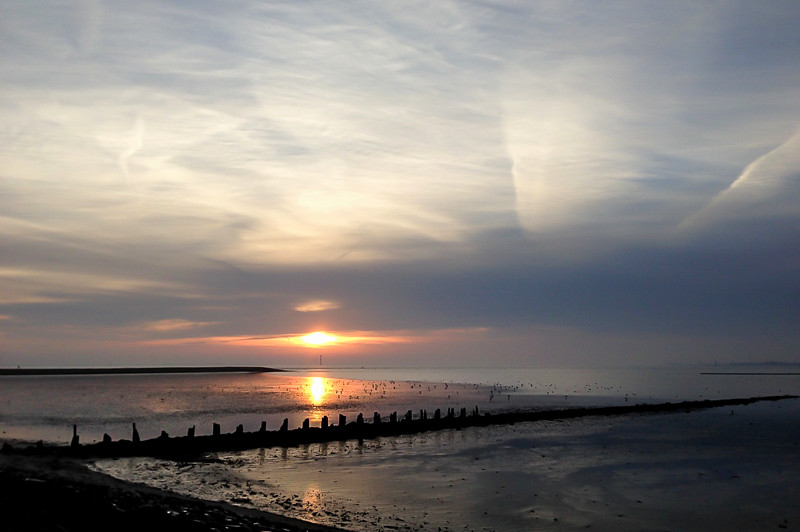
(718, 469)
(626, 473)
(45, 408)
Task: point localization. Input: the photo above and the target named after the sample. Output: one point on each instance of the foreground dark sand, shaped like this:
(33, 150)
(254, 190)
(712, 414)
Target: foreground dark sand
(45, 493)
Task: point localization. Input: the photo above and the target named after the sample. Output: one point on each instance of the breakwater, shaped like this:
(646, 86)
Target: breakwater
(359, 429)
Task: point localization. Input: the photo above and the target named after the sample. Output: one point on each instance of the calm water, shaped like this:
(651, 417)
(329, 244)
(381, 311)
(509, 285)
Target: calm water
(45, 408)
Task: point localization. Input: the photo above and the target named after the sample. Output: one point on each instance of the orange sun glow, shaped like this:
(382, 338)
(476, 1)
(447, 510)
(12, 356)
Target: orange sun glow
(318, 339)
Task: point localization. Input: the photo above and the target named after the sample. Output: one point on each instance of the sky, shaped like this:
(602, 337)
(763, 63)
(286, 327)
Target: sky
(450, 183)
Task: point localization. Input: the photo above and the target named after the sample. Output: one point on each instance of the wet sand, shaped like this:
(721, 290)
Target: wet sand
(732, 468)
(47, 493)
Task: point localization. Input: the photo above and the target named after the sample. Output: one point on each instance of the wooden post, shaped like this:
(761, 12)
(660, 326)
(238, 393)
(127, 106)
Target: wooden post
(306, 424)
(263, 427)
(190, 433)
(76, 441)
(342, 420)
(324, 423)
(216, 430)
(285, 425)
(135, 435)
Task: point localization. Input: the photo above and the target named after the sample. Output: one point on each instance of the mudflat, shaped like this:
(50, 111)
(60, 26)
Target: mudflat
(48, 493)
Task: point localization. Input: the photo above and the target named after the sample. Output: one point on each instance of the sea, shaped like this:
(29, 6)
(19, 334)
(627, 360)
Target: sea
(551, 475)
(34, 408)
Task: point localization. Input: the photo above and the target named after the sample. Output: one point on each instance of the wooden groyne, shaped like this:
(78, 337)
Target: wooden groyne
(192, 445)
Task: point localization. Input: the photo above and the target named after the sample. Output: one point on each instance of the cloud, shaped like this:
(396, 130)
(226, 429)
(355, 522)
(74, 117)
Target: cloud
(175, 324)
(317, 306)
(767, 189)
(511, 166)
(136, 144)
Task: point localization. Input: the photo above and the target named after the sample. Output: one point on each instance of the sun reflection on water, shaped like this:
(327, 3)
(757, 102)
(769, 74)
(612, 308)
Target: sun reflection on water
(316, 390)
(313, 503)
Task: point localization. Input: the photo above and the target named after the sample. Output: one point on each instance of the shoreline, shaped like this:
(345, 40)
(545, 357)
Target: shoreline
(56, 493)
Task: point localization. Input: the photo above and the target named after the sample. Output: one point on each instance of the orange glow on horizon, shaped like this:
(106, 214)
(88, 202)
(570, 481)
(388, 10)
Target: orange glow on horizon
(328, 340)
(318, 339)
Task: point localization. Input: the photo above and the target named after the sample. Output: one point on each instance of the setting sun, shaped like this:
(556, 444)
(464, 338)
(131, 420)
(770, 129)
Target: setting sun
(318, 338)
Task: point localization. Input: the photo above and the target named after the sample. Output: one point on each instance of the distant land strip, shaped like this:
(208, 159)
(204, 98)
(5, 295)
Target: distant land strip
(134, 371)
(750, 373)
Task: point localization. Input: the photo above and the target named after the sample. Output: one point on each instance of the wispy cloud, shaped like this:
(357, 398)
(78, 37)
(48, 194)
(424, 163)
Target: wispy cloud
(767, 189)
(174, 324)
(259, 168)
(317, 306)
